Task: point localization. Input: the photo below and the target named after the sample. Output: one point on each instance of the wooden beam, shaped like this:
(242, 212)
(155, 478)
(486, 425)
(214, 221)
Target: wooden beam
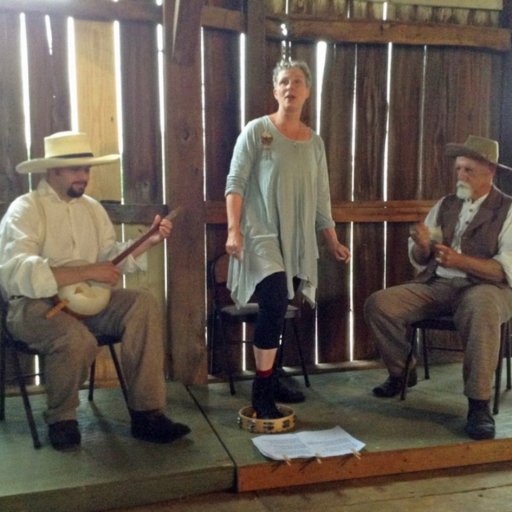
(99, 10)
(133, 213)
(222, 19)
(344, 212)
(186, 18)
(366, 31)
(480, 5)
(363, 31)
(184, 156)
(371, 464)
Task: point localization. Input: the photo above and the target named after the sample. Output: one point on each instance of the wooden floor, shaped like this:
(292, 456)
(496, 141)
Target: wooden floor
(415, 450)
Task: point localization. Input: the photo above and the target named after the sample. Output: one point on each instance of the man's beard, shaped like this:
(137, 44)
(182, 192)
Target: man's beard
(74, 193)
(464, 190)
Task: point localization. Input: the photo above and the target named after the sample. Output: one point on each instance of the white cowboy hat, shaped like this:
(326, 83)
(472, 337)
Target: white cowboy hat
(65, 149)
(477, 148)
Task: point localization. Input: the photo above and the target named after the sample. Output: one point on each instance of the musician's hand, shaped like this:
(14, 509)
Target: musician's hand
(446, 257)
(164, 229)
(102, 272)
(420, 234)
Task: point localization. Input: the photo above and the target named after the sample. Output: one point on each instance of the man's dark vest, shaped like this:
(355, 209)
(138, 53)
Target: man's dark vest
(480, 239)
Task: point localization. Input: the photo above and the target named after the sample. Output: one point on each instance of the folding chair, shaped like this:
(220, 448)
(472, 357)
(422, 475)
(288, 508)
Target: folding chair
(226, 313)
(446, 323)
(15, 347)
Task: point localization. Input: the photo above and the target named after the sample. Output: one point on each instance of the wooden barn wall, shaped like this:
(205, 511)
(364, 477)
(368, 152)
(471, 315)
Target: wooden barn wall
(386, 173)
(139, 182)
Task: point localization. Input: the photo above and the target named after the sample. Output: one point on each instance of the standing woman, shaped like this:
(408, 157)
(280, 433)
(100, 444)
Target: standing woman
(277, 198)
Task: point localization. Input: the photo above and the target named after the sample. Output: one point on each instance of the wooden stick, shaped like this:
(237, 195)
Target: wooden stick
(120, 257)
(58, 307)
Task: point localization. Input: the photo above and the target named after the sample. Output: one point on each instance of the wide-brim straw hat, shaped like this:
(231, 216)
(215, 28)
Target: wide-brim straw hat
(65, 149)
(477, 148)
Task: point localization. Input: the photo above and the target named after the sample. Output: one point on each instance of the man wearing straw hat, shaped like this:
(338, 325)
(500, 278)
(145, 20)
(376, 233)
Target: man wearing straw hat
(463, 257)
(42, 236)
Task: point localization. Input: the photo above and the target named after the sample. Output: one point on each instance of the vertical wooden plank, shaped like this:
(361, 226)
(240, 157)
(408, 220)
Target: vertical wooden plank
(48, 84)
(222, 106)
(142, 145)
(458, 102)
(142, 155)
(97, 102)
(505, 119)
(307, 53)
(215, 240)
(337, 118)
(221, 65)
(405, 125)
(336, 130)
(97, 116)
(12, 139)
(184, 157)
(370, 125)
(436, 180)
(256, 88)
(273, 54)
(275, 7)
(405, 122)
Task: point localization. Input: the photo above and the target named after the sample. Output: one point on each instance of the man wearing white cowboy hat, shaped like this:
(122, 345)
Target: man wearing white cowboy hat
(43, 235)
(463, 257)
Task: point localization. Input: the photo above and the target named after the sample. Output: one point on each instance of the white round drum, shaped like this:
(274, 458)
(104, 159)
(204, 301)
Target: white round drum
(85, 299)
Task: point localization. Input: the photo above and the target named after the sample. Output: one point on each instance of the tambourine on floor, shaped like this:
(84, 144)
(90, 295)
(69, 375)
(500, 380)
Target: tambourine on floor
(248, 421)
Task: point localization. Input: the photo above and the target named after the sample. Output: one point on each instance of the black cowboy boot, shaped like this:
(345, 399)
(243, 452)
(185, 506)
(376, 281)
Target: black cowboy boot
(263, 399)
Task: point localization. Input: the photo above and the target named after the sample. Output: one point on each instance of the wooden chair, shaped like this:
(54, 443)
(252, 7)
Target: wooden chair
(15, 347)
(226, 313)
(445, 323)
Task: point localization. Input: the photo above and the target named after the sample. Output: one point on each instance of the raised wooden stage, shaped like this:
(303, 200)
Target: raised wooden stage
(113, 470)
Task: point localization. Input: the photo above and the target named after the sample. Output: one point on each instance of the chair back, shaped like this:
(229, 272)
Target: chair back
(218, 281)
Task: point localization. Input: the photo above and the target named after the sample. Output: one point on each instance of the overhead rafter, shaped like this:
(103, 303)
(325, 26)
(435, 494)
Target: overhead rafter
(303, 28)
(98, 10)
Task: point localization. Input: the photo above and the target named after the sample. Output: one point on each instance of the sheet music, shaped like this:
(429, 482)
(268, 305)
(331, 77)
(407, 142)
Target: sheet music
(308, 444)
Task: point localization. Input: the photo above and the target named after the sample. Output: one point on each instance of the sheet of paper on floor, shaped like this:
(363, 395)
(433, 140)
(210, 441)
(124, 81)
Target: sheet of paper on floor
(308, 444)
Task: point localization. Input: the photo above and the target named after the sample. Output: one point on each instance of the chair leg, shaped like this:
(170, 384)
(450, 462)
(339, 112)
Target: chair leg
(507, 355)
(119, 371)
(92, 377)
(499, 369)
(407, 369)
(2, 379)
(301, 355)
(423, 341)
(26, 403)
(226, 355)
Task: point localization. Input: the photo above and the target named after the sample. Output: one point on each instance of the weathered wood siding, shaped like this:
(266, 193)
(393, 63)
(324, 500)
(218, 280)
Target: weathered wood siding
(139, 181)
(387, 112)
